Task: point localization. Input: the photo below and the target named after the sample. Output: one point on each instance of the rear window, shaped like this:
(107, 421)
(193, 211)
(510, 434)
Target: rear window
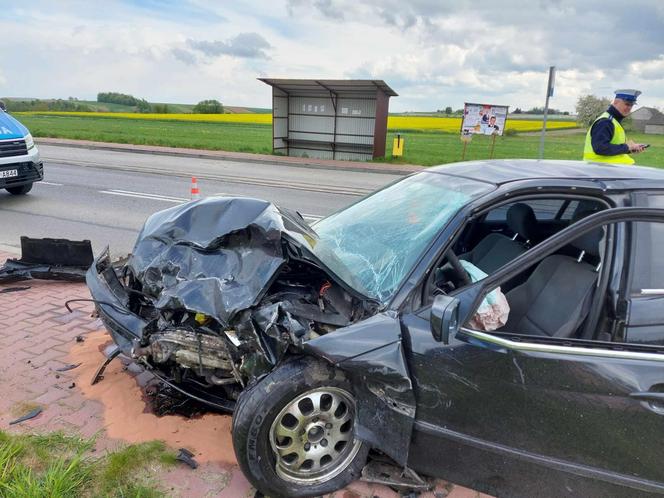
(545, 209)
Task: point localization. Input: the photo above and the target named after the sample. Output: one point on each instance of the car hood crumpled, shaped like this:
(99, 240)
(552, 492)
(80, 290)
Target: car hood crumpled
(217, 256)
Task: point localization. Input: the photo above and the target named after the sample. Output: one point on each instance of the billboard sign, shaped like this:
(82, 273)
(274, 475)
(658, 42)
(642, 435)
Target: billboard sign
(483, 119)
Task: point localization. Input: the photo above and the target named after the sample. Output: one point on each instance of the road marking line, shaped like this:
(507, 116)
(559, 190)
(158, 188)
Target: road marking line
(51, 183)
(175, 200)
(146, 194)
(314, 217)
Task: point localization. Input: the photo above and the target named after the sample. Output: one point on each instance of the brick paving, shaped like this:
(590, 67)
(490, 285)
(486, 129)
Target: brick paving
(37, 335)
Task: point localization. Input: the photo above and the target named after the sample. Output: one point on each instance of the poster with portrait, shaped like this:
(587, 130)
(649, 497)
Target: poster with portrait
(483, 119)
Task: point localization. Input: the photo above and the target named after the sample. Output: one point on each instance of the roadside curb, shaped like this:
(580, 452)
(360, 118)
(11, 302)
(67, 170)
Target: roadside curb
(298, 162)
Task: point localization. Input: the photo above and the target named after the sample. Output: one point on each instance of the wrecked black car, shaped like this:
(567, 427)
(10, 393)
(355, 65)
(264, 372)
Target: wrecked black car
(497, 324)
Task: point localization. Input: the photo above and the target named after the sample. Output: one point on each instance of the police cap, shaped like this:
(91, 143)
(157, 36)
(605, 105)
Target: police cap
(628, 94)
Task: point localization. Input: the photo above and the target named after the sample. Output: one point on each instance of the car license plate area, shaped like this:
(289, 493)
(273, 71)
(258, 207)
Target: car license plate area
(9, 173)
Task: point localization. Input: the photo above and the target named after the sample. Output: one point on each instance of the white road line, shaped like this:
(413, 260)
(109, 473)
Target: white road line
(314, 217)
(146, 194)
(140, 195)
(50, 183)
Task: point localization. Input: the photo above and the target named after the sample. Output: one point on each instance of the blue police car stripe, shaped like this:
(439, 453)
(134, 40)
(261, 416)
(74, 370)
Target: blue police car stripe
(10, 128)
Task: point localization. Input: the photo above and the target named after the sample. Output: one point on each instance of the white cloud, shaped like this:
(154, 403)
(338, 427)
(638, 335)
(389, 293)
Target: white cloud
(432, 53)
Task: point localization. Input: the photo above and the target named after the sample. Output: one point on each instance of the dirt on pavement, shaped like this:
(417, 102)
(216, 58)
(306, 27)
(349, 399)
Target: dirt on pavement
(127, 417)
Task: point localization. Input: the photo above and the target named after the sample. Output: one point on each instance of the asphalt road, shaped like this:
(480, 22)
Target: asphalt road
(106, 196)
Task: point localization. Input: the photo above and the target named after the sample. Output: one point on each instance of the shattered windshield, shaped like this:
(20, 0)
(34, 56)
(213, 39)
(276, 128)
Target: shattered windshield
(379, 239)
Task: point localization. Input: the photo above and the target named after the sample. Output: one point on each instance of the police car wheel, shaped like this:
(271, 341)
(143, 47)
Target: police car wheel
(22, 190)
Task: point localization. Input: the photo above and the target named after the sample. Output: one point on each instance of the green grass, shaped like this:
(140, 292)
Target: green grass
(58, 466)
(237, 137)
(424, 148)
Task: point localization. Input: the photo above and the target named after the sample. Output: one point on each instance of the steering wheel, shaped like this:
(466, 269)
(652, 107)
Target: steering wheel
(459, 272)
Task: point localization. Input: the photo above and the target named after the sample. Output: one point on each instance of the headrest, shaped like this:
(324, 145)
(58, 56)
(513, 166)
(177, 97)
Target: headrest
(586, 208)
(588, 242)
(521, 219)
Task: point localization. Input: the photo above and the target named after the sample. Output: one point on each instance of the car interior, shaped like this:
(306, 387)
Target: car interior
(554, 297)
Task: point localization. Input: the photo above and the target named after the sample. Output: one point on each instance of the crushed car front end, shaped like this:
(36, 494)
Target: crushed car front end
(217, 292)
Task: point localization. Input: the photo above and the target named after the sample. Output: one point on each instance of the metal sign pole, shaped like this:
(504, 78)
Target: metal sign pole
(493, 145)
(549, 93)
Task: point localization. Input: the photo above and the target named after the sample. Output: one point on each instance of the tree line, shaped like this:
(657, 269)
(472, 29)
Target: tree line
(203, 107)
(70, 105)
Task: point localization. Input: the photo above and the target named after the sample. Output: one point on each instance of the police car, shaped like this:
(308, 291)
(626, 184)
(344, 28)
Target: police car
(20, 165)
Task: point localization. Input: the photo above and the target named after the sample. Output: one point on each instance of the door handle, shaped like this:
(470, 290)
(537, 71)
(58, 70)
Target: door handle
(651, 400)
(648, 396)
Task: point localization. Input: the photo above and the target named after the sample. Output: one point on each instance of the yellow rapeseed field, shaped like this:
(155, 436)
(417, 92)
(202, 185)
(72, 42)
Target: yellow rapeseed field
(395, 123)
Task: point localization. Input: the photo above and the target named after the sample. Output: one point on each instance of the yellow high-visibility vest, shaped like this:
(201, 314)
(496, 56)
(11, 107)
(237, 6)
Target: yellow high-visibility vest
(617, 139)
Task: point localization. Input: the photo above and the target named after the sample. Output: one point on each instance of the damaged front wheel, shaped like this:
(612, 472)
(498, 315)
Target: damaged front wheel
(293, 432)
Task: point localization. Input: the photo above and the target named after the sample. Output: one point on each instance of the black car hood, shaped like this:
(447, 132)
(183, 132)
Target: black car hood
(218, 256)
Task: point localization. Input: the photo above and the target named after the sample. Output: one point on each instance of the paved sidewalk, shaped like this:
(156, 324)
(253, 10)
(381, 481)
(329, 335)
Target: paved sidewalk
(38, 337)
(369, 167)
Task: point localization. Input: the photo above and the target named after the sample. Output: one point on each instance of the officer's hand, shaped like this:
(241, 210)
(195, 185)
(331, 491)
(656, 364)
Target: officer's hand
(635, 148)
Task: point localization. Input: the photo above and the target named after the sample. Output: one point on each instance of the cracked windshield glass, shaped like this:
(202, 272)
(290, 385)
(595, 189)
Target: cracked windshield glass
(379, 239)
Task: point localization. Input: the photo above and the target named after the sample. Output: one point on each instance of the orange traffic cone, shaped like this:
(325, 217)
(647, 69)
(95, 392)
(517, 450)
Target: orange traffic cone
(195, 193)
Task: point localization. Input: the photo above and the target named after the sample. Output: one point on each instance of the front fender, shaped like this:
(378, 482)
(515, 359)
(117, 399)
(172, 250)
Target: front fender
(372, 353)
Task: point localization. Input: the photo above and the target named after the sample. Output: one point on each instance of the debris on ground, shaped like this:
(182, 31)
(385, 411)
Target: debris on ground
(80, 338)
(162, 400)
(186, 456)
(379, 471)
(49, 259)
(66, 368)
(13, 289)
(30, 415)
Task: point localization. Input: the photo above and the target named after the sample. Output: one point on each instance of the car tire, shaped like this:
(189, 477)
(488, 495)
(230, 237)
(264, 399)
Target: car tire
(309, 399)
(22, 190)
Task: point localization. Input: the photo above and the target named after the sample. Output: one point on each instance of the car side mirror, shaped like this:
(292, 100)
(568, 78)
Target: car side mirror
(444, 318)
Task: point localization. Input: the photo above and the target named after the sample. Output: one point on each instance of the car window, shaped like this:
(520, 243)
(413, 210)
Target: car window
(545, 209)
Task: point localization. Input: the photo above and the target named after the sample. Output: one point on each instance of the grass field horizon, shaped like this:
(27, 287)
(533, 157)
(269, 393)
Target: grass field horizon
(424, 147)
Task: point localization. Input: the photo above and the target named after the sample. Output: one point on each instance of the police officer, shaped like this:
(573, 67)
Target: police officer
(605, 140)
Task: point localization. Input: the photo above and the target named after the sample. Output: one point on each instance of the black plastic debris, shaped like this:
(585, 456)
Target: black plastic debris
(7, 290)
(164, 400)
(30, 415)
(186, 456)
(66, 368)
(80, 338)
(49, 259)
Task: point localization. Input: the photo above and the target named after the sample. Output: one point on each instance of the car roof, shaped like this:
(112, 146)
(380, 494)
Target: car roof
(502, 171)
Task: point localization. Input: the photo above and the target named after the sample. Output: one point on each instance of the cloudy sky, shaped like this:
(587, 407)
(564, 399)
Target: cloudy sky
(434, 53)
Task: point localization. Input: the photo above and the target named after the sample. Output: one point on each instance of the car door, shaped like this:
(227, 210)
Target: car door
(526, 416)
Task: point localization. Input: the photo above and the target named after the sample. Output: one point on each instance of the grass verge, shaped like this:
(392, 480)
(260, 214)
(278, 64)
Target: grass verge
(57, 465)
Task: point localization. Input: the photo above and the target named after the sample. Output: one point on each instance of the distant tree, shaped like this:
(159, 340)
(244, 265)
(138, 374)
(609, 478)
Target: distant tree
(143, 106)
(588, 107)
(517, 111)
(160, 108)
(448, 110)
(117, 98)
(208, 107)
(459, 112)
